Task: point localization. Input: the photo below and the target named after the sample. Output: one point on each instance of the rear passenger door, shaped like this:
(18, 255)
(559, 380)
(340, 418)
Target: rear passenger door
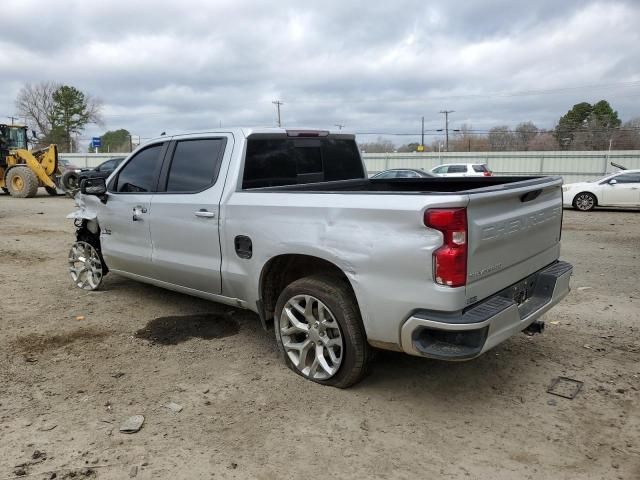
(185, 213)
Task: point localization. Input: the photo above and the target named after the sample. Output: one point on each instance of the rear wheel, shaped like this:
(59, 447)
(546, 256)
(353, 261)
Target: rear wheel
(319, 329)
(22, 182)
(584, 201)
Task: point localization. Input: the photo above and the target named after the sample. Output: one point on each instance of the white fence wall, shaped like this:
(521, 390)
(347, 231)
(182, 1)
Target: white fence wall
(573, 166)
(89, 160)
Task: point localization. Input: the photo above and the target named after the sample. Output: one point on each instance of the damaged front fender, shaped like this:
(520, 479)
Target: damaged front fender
(85, 213)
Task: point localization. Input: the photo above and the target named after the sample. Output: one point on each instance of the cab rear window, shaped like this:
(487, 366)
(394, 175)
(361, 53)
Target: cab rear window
(479, 168)
(273, 162)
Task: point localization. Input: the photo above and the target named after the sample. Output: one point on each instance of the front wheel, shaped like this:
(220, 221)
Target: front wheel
(584, 201)
(319, 329)
(22, 182)
(85, 266)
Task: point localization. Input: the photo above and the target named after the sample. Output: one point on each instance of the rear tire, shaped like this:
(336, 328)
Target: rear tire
(318, 327)
(70, 181)
(22, 182)
(584, 202)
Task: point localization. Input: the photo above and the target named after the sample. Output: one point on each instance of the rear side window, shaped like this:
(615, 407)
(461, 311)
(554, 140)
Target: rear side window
(140, 174)
(272, 162)
(457, 169)
(195, 164)
(628, 178)
(440, 170)
(479, 168)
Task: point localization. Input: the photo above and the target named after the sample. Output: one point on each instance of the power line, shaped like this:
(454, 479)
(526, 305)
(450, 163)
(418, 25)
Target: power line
(485, 131)
(413, 99)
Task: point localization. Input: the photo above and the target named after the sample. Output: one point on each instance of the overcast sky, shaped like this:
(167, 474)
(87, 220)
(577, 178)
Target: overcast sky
(372, 66)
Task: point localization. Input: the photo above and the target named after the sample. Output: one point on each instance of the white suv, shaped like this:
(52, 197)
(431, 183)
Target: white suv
(462, 170)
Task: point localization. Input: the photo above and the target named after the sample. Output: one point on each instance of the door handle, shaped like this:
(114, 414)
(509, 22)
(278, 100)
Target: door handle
(138, 210)
(204, 213)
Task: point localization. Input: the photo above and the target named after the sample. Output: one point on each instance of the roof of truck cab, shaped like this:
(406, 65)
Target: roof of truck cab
(247, 131)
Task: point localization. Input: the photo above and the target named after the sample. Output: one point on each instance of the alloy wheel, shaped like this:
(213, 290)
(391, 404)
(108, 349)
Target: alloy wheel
(85, 266)
(584, 202)
(311, 337)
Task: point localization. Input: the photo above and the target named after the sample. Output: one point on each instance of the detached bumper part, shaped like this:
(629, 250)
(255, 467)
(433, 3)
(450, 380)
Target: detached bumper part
(468, 333)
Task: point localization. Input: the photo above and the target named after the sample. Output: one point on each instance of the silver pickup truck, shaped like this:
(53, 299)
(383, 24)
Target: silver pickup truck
(287, 224)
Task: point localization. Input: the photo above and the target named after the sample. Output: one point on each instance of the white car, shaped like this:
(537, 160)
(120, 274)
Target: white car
(462, 170)
(620, 189)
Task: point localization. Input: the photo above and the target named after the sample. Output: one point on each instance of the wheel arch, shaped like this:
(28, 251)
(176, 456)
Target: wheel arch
(88, 230)
(284, 269)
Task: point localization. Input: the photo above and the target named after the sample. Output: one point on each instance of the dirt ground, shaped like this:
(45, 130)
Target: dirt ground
(75, 364)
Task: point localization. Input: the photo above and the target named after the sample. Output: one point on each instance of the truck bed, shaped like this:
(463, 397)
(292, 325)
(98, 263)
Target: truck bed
(440, 185)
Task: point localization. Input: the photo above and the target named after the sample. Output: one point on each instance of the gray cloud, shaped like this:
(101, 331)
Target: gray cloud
(189, 65)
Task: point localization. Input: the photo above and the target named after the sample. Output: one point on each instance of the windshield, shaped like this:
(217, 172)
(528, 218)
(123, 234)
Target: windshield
(606, 177)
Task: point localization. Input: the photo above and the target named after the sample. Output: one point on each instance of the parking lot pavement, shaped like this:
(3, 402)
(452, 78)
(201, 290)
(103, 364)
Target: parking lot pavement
(74, 365)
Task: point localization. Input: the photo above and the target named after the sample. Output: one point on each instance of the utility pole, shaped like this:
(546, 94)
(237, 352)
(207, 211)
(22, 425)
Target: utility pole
(12, 119)
(422, 138)
(339, 125)
(277, 103)
(446, 128)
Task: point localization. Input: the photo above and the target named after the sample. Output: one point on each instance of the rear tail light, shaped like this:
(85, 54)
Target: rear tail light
(487, 173)
(450, 260)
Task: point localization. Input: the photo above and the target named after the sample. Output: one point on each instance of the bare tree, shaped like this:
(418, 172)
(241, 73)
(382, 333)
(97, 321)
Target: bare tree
(467, 141)
(628, 137)
(501, 139)
(379, 146)
(35, 103)
(525, 132)
(544, 141)
(42, 104)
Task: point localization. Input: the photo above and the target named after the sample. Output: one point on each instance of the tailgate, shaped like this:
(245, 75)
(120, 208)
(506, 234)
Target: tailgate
(513, 232)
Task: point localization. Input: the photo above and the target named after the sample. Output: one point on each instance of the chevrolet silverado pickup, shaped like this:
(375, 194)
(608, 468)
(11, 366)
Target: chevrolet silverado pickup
(286, 223)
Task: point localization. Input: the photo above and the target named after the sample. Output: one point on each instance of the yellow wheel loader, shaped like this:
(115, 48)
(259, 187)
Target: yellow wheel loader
(23, 171)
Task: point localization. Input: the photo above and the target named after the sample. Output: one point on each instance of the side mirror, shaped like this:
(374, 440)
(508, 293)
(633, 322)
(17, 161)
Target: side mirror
(613, 181)
(93, 186)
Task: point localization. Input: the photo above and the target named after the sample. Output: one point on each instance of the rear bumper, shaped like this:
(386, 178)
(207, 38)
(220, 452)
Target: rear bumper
(466, 334)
